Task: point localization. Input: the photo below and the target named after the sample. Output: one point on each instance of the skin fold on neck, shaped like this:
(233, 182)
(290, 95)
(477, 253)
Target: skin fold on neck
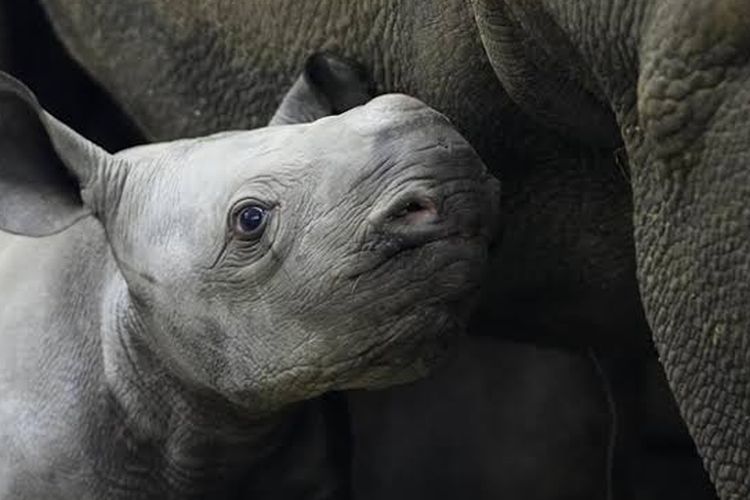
(173, 434)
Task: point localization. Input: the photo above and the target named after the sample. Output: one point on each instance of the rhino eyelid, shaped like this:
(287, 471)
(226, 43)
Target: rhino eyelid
(251, 200)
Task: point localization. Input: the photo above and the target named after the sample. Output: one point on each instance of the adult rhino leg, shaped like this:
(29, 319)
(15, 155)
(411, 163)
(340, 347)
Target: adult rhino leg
(689, 140)
(676, 74)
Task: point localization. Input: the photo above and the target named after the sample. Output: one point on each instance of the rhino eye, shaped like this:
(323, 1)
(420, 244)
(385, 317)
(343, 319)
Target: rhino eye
(250, 221)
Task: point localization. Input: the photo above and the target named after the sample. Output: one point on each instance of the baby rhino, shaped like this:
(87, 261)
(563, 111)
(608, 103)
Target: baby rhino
(168, 313)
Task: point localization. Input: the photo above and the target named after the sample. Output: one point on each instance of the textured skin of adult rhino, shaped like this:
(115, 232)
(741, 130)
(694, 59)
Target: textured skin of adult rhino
(619, 128)
(169, 312)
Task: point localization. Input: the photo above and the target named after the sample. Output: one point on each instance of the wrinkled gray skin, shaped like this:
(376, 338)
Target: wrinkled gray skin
(650, 96)
(152, 348)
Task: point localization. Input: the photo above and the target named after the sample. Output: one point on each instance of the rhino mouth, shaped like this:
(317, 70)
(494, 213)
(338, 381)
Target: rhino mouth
(441, 250)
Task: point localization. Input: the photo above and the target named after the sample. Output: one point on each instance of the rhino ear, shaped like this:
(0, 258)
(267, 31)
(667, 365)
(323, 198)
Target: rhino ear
(45, 167)
(328, 85)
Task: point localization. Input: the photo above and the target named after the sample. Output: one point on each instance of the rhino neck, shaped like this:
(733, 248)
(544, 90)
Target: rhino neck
(184, 439)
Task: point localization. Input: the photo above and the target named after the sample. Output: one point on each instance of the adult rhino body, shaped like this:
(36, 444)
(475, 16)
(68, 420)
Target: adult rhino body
(214, 66)
(667, 79)
(185, 300)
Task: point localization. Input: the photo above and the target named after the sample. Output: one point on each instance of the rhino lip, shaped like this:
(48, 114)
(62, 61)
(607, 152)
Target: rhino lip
(396, 248)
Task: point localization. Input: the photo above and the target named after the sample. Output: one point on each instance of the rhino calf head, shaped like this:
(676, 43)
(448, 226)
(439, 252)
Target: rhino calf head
(272, 265)
(276, 264)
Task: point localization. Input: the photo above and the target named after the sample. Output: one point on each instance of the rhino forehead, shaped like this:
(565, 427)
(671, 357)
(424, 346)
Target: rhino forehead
(289, 165)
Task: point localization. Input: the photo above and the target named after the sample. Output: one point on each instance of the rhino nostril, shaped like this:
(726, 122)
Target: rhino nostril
(413, 211)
